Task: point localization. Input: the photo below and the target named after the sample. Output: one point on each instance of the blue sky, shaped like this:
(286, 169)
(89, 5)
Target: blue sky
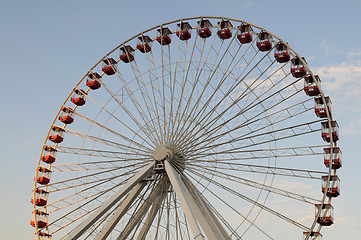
(47, 46)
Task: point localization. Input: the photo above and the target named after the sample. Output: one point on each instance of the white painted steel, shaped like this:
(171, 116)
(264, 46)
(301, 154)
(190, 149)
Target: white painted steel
(231, 120)
(120, 211)
(84, 226)
(190, 210)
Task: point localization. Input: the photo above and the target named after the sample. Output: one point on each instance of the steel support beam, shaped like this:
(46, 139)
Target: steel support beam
(84, 226)
(212, 220)
(139, 215)
(120, 211)
(219, 226)
(189, 207)
(151, 215)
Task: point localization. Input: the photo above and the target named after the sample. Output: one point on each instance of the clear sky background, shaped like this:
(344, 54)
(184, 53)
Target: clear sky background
(47, 46)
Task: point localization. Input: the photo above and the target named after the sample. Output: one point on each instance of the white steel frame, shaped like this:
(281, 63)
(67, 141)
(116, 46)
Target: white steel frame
(224, 108)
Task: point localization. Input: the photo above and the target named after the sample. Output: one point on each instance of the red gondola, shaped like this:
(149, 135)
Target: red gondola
(93, 80)
(320, 108)
(43, 176)
(183, 31)
(333, 189)
(310, 87)
(48, 155)
(204, 28)
(336, 158)
(282, 54)
(109, 66)
(164, 36)
(224, 29)
(56, 134)
(39, 219)
(313, 235)
(326, 215)
(245, 33)
(297, 68)
(144, 44)
(327, 132)
(66, 115)
(40, 197)
(264, 41)
(42, 236)
(126, 54)
(78, 97)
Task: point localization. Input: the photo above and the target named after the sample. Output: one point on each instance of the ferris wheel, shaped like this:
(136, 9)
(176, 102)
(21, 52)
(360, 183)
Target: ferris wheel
(199, 128)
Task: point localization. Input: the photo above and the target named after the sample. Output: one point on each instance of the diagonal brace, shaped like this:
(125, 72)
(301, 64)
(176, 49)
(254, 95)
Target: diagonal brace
(84, 226)
(120, 211)
(190, 208)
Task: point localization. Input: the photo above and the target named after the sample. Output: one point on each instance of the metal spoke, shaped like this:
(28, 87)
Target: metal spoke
(261, 206)
(79, 230)
(250, 183)
(188, 130)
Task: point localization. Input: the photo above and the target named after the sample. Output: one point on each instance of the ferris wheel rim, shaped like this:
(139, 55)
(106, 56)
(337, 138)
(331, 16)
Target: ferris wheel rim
(329, 116)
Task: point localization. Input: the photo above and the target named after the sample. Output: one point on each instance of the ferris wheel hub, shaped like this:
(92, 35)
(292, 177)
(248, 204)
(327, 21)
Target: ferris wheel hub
(162, 153)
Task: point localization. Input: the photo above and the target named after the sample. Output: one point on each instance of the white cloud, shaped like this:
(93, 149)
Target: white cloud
(326, 47)
(343, 83)
(249, 4)
(330, 49)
